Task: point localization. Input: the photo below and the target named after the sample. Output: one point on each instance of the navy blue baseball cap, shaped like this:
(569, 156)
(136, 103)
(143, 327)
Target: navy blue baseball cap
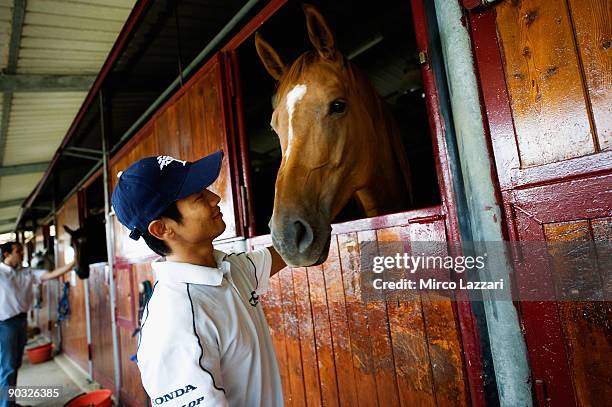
(150, 185)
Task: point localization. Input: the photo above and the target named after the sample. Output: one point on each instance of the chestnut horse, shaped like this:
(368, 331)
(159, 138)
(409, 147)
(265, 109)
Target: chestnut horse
(338, 141)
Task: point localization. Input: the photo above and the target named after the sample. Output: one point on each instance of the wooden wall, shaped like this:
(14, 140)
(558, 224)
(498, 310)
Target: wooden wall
(74, 334)
(335, 349)
(546, 78)
(101, 326)
(557, 67)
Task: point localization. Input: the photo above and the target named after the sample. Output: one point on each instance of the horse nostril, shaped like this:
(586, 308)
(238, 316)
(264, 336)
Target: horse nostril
(303, 235)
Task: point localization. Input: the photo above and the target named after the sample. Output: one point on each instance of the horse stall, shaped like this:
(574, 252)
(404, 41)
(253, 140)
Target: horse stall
(448, 165)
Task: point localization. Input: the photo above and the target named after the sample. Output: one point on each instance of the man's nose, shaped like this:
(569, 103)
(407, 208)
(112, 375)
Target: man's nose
(214, 199)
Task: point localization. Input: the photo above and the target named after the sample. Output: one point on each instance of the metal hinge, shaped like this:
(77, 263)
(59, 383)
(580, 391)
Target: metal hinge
(423, 57)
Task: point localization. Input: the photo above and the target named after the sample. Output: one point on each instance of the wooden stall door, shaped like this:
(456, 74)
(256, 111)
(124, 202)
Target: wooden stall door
(101, 325)
(74, 333)
(336, 349)
(546, 74)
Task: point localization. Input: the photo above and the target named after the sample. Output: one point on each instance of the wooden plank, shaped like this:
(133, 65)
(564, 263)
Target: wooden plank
(272, 302)
(183, 117)
(292, 340)
(130, 375)
(165, 133)
(544, 81)
(339, 327)
(443, 341)
(593, 30)
(410, 352)
(382, 353)
(602, 235)
(307, 337)
(361, 347)
(324, 345)
(101, 324)
(585, 324)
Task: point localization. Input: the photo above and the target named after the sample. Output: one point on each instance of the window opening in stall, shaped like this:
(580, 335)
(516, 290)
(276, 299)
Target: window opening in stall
(380, 41)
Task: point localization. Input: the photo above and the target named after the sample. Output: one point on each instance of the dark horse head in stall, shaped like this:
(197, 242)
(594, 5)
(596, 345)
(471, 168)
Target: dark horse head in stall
(89, 245)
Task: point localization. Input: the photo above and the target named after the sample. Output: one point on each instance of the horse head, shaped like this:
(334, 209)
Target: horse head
(79, 243)
(337, 141)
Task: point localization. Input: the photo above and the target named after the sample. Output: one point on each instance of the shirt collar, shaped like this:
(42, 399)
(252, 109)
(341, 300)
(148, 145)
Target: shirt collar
(176, 272)
(5, 267)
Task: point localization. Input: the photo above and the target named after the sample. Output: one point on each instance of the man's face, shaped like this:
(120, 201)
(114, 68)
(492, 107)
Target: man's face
(202, 218)
(15, 258)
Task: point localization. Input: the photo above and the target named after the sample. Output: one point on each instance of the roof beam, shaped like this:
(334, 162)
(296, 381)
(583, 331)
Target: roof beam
(16, 30)
(5, 222)
(45, 83)
(11, 67)
(23, 169)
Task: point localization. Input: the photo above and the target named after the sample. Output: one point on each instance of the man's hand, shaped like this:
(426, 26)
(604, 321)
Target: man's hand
(277, 261)
(60, 271)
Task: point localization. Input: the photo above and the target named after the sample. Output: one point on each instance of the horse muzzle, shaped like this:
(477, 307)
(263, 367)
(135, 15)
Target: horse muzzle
(300, 242)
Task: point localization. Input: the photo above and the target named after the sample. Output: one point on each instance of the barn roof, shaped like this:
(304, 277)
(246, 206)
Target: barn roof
(51, 51)
(161, 41)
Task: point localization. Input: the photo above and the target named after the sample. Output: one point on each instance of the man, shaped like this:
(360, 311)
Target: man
(204, 337)
(16, 296)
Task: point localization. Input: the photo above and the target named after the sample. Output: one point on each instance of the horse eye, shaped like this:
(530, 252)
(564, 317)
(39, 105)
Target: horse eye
(337, 106)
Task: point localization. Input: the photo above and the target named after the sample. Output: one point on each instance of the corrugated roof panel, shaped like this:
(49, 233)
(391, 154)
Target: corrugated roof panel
(6, 15)
(39, 121)
(18, 186)
(68, 33)
(50, 20)
(69, 37)
(99, 11)
(9, 212)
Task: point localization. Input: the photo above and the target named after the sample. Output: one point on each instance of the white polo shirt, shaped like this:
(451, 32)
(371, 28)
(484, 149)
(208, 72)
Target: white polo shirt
(202, 341)
(16, 289)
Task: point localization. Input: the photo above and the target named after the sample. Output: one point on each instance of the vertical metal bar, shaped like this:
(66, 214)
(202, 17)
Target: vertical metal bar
(507, 344)
(56, 283)
(110, 237)
(88, 329)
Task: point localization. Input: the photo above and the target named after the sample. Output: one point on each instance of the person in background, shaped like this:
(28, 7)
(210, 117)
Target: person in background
(16, 296)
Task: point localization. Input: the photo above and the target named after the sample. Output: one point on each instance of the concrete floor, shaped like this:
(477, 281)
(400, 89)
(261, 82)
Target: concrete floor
(59, 371)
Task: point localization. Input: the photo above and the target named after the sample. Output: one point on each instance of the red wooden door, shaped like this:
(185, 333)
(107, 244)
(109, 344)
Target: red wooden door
(545, 79)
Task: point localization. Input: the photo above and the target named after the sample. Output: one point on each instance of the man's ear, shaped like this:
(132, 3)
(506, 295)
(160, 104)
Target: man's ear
(160, 230)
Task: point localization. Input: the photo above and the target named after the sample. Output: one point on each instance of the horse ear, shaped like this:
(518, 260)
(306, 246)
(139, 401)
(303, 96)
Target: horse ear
(269, 57)
(319, 33)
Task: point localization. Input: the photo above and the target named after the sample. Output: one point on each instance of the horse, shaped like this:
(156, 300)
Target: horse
(338, 141)
(89, 245)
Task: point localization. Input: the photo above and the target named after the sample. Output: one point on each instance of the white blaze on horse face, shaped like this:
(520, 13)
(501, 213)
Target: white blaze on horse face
(293, 97)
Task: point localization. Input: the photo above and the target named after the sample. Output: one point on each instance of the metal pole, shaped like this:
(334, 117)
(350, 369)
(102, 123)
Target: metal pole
(110, 238)
(508, 349)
